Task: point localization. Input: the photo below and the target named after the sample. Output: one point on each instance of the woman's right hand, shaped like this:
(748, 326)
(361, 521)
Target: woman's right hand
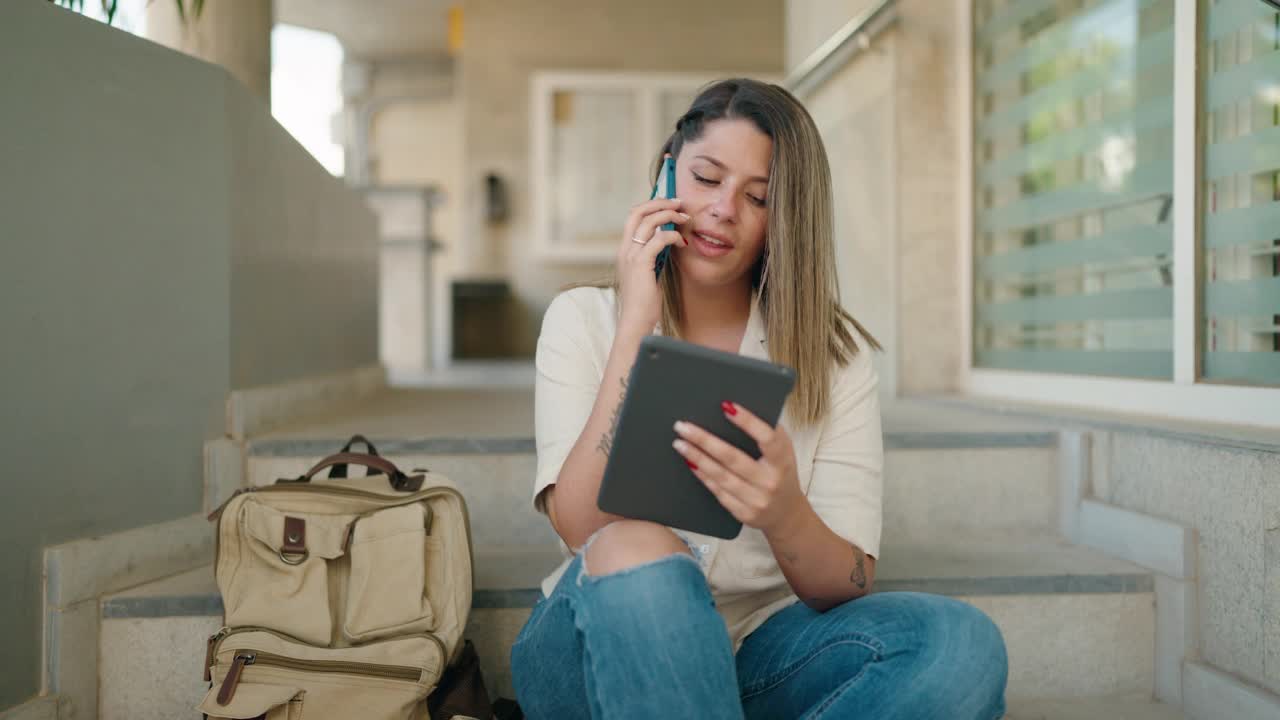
(637, 285)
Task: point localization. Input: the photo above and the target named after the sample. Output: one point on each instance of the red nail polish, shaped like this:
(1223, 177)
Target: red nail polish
(728, 408)
(691, 465)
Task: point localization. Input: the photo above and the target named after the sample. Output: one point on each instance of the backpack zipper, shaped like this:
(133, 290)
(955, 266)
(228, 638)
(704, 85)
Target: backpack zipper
(245, 658)
(215, 644)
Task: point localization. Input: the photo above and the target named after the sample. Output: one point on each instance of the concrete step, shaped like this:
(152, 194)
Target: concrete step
(945, 471)
(1093, 709)
(1078, 625)
(1123, 708)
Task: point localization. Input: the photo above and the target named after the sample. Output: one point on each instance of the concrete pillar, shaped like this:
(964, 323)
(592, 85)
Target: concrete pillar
(929, 313)
(235, 35)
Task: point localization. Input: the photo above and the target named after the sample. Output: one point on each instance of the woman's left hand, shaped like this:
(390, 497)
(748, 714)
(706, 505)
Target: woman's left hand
(763, 494)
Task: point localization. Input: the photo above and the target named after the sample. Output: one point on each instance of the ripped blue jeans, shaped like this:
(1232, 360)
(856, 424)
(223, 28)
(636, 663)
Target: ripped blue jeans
(647, 642)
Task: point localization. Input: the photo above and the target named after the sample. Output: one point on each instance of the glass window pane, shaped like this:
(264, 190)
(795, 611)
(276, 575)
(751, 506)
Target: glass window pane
(1242, 193)
(1073, 253)
(593, 151)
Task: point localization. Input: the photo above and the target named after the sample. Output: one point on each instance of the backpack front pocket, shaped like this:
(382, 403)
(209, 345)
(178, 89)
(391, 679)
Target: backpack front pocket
(386, 591)
(283, 579)
(255, 700)
(384, 680)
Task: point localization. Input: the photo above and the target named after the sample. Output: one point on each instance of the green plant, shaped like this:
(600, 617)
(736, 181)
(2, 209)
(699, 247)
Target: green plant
(109, 7)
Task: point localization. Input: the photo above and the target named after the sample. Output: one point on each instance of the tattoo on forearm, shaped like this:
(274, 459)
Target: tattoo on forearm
(606, 440)
(790, 556)
(859, 574)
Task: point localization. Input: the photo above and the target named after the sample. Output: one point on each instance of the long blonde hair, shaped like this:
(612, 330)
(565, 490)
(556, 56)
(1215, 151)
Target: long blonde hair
(798, 291)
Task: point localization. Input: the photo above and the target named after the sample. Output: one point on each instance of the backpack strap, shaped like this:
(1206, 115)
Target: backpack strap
(399, 480)
(340, 471)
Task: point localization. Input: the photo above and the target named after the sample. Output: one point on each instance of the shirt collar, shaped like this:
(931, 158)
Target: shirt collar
(753, 339)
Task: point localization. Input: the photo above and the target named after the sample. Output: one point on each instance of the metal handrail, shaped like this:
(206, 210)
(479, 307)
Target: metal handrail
(844, 45)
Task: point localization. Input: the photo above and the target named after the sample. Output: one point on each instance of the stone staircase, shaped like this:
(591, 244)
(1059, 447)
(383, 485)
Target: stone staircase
(971, 510)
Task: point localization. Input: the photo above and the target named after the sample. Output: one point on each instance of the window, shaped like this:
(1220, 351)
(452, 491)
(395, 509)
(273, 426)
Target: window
(1241, 175)
(595, 138)
(1126, 197)
(1073, 181)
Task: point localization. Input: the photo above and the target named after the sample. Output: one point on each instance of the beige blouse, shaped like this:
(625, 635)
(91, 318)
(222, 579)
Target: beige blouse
(839, 460)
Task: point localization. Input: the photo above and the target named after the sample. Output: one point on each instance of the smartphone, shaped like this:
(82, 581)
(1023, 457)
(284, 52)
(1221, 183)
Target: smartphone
(664, 188)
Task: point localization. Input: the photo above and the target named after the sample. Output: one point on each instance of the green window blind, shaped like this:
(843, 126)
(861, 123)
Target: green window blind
(1073, 150)
(1241, 233)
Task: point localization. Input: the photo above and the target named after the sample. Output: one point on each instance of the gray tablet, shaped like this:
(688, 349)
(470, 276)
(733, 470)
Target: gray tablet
(645, 478)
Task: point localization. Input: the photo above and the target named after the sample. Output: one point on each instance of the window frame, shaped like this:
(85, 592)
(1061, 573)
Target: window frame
(647, 88)
(1188, 396)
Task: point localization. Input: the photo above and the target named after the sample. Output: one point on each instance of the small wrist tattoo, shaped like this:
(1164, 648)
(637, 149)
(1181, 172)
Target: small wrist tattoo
(606, 440)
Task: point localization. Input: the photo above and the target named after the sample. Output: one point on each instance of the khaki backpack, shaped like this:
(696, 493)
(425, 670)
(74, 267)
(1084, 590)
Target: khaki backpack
(343, 598)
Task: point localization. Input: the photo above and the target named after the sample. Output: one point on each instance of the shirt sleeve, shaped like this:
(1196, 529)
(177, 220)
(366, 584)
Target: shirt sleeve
(847, 483)
(565, 388)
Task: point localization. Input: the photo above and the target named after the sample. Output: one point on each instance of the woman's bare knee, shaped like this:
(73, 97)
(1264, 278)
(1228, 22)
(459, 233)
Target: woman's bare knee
(627, 543)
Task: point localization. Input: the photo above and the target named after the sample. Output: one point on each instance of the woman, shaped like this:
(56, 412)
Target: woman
(647, 622)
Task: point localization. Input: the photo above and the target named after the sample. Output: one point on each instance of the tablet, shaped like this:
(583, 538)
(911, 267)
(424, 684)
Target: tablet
(645, 478)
